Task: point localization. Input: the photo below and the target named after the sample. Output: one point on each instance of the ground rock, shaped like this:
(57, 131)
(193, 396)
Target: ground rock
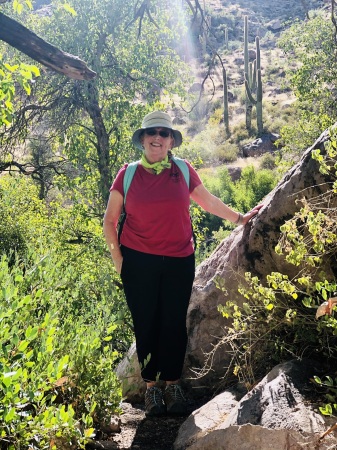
(264, 144)
(275, 25)
(255, 437)
(128, 371)
(274, 415)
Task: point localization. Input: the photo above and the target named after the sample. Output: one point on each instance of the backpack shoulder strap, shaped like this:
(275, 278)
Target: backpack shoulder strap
(184, 168)
(128, 176)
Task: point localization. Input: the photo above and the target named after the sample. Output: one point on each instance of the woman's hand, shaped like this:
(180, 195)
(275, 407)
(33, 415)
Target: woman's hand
(118, 265)
(249, 215)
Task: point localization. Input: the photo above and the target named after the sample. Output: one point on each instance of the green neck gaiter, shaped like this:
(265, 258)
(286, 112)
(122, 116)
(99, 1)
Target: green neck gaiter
(157, 167)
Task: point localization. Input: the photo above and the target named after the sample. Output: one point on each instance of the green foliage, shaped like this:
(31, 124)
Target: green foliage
(310, 45)
(330, 385)
(55, 371)
(212, 145)
(268, 161)
(227, 152)
(241, 195)
(10, 74)
(64, 323)
(252, 187)
(90, 123)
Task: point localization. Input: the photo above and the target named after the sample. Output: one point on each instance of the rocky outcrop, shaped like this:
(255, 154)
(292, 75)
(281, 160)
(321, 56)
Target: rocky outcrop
(247, 249)
(274, 415)
(261, 145)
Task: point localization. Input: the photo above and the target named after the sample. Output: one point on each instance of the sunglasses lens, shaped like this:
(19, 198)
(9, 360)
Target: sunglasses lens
(151, 132)
(154, 132)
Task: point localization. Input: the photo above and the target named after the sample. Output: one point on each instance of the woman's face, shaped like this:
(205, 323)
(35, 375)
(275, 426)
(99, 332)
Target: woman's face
(156, 142)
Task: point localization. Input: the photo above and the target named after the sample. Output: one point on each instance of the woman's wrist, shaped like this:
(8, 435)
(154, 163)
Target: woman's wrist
(239, 220)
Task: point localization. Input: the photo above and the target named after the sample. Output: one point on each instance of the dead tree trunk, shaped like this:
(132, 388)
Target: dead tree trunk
(41, 51)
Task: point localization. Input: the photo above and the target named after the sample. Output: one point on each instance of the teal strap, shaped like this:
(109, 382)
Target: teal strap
(128, 176)
(184, 169)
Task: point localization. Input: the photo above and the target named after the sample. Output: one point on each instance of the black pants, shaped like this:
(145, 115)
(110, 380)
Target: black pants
(158, 290)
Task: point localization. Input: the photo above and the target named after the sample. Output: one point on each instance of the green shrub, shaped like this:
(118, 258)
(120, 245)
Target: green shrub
(227, 152)
(268, 161)
(64, 325)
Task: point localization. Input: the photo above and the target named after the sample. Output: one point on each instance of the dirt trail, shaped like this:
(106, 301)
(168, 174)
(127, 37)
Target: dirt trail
(141, 433)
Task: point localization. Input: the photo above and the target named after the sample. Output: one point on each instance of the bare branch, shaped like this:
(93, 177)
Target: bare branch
(139, 14)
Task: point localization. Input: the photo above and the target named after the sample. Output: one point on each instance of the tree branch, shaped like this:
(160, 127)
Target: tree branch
(36, 48)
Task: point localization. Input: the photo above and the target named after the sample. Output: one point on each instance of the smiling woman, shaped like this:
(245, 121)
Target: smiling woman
(155, 256)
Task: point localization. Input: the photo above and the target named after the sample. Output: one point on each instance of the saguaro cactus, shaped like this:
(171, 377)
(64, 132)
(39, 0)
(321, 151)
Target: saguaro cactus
(225, 101)
(226, 37)
(253, 82)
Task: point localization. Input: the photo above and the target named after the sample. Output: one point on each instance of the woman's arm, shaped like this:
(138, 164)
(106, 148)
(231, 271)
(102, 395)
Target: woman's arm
(111, 216)
(214, 205)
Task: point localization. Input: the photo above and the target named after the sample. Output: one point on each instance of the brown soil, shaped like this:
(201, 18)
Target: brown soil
(145, 433)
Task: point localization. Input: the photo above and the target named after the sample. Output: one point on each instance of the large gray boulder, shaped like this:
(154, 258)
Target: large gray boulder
(247, 249)
(275, 415)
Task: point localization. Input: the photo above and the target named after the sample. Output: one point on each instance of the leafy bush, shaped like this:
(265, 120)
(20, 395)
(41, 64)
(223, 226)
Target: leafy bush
(268, 161)
(64, 324)
(227, 152)
(55, 371)
(241, 195)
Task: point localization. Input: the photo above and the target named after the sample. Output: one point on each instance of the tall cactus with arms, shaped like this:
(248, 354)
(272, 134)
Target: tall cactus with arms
(253, 82)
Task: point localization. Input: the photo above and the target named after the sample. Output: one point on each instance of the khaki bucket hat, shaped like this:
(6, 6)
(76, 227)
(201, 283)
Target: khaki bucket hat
(153, 120)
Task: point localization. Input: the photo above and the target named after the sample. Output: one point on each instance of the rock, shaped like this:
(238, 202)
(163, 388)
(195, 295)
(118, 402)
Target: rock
(128, 371)
(202, 420)
(254, 437)
(247, 249)
(274, 415)
(196, 87)
(264, 144)
(275, 25)
(112, 426)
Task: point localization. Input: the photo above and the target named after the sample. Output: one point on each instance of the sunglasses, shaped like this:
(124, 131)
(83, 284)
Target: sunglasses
(154, 132)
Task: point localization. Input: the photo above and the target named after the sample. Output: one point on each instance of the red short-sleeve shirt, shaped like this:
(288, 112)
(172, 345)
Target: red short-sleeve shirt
(157, 207)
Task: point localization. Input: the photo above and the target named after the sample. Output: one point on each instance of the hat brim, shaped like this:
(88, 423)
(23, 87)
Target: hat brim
(178, 138)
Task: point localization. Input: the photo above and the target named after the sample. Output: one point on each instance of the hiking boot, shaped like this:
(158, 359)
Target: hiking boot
(154, 405)
(175, 400)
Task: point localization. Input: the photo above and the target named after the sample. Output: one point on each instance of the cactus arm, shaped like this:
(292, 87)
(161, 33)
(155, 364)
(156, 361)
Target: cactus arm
(249, 93)
(225, 100)
(246, 54)
(258, 54)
